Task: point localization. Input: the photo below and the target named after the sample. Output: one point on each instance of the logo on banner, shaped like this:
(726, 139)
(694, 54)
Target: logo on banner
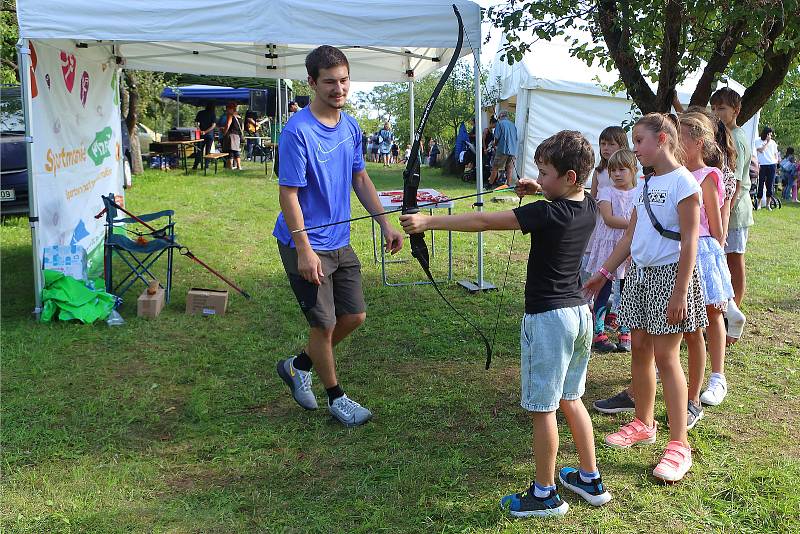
(63, 159)
(32, 75)
(100, 149)
(68, 64)
(84, 87)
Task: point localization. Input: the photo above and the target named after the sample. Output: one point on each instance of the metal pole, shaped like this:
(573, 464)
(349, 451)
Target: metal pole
(24, 62)
(411, 110)
(279, 111)
(178, 119)
(480, 284)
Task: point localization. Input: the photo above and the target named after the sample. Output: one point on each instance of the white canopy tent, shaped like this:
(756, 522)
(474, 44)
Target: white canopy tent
(549, 90)
(385, 41)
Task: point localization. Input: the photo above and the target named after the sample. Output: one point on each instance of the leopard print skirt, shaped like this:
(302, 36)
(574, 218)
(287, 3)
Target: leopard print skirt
(646, 296)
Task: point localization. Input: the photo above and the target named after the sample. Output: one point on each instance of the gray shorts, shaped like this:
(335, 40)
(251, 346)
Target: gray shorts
(737, 240)
(500, 160)
(340, 292)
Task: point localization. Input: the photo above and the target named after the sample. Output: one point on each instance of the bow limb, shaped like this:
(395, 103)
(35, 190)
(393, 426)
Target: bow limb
(411, 178)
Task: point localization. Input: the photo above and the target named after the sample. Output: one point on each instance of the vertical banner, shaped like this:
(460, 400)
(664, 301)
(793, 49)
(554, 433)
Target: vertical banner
(76, 153)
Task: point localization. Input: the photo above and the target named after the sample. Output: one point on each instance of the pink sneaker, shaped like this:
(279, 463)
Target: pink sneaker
(675, 463)
(634, 433)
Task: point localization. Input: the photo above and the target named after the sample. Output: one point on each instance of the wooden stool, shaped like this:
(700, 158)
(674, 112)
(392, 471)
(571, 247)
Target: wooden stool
(216, 156)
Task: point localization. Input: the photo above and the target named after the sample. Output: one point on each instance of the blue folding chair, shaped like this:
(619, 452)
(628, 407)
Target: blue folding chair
(138, 256)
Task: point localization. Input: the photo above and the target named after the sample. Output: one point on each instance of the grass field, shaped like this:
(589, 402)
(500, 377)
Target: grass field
(181, 425)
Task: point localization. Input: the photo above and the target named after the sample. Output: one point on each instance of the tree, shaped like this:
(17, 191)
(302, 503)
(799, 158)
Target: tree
(129, 110)
(456, 104)
(9, 71)
(663, 40)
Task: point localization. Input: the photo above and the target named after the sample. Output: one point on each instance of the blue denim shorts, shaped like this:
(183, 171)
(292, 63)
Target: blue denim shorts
(555, 353)
(737, 240)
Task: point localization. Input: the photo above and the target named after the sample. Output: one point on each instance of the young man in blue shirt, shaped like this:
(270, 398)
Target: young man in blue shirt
(321, 160)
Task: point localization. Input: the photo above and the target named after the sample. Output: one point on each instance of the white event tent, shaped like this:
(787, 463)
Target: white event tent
(71, 52)
(550, 90)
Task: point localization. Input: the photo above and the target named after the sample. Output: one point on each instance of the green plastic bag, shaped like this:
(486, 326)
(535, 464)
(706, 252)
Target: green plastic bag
(65, 298)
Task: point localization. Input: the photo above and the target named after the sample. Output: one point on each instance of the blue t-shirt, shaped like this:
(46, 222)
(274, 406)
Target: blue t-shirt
(320, 161)
(506, 135)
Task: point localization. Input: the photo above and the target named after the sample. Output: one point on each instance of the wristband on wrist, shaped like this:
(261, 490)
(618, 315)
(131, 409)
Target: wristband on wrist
(605, 273)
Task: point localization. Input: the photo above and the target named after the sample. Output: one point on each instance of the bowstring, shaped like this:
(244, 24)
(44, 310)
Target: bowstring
(514, 233)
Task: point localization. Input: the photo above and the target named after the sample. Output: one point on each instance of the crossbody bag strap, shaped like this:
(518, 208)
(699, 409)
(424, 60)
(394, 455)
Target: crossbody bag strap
(669, 234)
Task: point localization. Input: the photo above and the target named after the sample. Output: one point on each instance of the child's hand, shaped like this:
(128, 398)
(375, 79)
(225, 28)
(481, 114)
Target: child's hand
(414, 224)
(677, 308)
(593, 286)
(526, 186)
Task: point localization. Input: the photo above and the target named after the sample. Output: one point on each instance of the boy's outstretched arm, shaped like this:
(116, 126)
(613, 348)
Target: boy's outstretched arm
(463, 222)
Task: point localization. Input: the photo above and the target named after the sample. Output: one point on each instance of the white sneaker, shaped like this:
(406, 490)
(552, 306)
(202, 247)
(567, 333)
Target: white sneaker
(736, 320)
(716, 390)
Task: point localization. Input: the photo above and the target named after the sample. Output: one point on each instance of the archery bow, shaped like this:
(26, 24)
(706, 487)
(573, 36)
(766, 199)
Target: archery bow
(411, 177)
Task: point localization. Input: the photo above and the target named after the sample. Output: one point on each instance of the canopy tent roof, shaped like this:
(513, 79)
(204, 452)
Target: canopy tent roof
(550, 67)
(383, 39)
(198, 95)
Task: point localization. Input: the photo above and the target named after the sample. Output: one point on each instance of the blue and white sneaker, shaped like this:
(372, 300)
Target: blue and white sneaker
(593, 492)
(349, 412)
(299, 383)
(526, 504)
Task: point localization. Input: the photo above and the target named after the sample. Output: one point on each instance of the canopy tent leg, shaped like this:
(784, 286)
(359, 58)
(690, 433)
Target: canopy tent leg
(411, 110)
(479, 284)
(24, 62)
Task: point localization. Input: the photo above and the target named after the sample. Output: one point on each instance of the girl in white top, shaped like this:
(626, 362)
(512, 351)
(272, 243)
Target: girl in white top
(662, 297)
(767, 153)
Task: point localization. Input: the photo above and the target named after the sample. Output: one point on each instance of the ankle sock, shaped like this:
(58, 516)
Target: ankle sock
(542, 491)
(334, 393)
(302, 362)
(587, 476)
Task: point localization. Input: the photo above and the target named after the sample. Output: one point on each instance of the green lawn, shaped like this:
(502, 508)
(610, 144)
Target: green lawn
(180, 424)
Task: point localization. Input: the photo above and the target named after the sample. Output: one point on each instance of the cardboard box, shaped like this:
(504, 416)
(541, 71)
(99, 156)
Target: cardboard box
(67, 259)
(201, 301)
(150, 305)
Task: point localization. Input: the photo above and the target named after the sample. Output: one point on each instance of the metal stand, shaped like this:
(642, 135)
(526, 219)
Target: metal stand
(480, 284)
(473, 287)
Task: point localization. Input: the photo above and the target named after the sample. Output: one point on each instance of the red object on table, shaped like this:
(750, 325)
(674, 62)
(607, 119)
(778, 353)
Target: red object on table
(422, 196)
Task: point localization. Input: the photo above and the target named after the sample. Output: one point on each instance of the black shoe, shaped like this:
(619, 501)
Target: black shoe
(526, 504)
(621, 402)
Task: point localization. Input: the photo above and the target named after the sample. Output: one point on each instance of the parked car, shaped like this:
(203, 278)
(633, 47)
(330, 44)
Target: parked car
(146, 136)
(13, 157)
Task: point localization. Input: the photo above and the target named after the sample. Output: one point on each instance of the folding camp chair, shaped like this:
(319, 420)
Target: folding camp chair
(140, 254)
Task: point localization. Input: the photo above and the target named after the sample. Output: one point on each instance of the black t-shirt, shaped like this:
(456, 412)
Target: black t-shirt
(559, 231)
(205, 118)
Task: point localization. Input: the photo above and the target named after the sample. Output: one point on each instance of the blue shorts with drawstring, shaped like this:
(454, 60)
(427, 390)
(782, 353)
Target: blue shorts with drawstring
(555, 354)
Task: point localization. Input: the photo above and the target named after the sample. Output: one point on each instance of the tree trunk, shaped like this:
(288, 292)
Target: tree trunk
(617, 38)
(131, 119)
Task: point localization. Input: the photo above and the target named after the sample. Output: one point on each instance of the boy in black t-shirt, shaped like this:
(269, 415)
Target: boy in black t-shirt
(557, 324)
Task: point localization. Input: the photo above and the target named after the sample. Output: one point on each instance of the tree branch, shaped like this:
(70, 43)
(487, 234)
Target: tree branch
(617, 35)
(723, 50)
(776, 65)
